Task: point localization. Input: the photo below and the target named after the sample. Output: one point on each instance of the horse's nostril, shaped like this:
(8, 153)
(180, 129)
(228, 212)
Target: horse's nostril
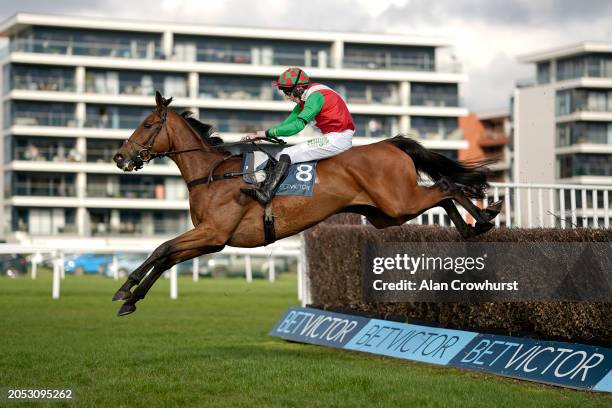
(118, 158)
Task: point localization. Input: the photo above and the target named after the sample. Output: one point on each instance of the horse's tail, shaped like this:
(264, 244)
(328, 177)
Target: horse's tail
(435, 165)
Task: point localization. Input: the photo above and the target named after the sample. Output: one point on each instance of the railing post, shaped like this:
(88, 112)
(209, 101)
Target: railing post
(55, 287)
(508, 212)
(606, 210)
(551, 200)
(517, 206)
(585, 220)
(248, 268)
(529, 212)
(573, 206)
(562, 206)
(595, 210)
(174, 282)
(115, 266)
(272, 269)
(195, 265)
(495, 199)
(34, 260)
(540, 208)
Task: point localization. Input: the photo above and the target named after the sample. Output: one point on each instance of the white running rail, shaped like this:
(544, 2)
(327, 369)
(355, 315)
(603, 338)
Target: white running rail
(541, 206)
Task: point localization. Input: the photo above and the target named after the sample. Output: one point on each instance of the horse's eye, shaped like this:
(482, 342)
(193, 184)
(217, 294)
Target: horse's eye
(147, 125)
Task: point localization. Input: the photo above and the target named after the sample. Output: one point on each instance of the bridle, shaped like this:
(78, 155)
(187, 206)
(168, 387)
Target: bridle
(143, 151)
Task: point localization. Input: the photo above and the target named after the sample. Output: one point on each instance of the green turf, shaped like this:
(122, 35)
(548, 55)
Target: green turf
(210, 348)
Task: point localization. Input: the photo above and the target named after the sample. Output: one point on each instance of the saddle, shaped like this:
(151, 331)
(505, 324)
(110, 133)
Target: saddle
(299, 182)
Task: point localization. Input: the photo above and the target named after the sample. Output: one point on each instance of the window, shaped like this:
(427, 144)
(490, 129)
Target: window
(434, 95)
(389, 57)
(436, 128)
(543, 72)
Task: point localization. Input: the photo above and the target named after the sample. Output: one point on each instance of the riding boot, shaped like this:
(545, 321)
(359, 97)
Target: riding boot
(265, 193)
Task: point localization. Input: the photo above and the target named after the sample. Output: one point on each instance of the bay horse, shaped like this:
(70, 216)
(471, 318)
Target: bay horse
(378, 181)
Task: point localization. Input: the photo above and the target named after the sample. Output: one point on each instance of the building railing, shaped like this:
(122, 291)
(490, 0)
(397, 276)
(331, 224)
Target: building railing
(399, 63)
(238, 125)
(25, 118)
(239, 92)
(113, 121)
(136, 88)
(137, 228)
(541, 205)
(427, 99)
(58, 154)
(139, 50)
(42, 83)
(425, 134)
(157, 192)
(304, 58)
(44, 189)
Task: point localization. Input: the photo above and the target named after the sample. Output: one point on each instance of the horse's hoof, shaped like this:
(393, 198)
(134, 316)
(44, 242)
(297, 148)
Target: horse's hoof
(493, 210)
(126, 309)
(482, 227)
(122, 295)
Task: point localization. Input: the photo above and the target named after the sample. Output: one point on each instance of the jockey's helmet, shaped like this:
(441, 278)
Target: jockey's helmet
(293, 81)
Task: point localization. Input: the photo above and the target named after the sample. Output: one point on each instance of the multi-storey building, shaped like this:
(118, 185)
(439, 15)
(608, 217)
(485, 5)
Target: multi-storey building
(563, 118)
(488, 136)
(74, 88)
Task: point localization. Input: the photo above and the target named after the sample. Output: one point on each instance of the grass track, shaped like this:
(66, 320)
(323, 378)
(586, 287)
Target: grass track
(210, 348)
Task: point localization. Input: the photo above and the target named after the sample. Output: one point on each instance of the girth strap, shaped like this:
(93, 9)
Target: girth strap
(268, 224)
(213, 177)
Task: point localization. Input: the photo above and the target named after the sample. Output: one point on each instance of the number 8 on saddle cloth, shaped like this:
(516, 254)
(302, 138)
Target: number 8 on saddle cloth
(299, 182)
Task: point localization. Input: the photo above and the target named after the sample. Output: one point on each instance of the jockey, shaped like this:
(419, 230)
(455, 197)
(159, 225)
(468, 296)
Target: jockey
(316, 104)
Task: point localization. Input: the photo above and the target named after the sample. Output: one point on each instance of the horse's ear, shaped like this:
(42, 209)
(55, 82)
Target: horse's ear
(167, 101)
(159, 99)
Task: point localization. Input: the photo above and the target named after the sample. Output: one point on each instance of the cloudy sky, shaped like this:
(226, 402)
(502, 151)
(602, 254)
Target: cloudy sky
(487, 34)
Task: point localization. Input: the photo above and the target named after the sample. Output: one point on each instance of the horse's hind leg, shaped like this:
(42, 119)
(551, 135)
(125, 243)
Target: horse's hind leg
(482, 217)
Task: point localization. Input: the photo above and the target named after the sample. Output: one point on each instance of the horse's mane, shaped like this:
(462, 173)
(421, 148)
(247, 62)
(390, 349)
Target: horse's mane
(207, 132)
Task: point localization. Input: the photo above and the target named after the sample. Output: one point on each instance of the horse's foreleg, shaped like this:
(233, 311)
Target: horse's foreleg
(129, 306)
(139, 273)
(200, 239)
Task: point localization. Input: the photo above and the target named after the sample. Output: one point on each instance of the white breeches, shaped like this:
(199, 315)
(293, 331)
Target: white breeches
(324, 146)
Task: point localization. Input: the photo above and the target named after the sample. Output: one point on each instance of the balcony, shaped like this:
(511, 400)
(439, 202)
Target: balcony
(437, 134)
(40, 81)
(109, 190)
(131, 50)
(44, 221)
(104, 117)
(493, 138)
(251, 52)
(569, 134)
(138, 223)
(57, 154)
(25, 118)
(240, 89)
(400, 64)
(381, 127)
(241, 121)
(123, 83)
(575, 165)
(44, 189)
(364, 93)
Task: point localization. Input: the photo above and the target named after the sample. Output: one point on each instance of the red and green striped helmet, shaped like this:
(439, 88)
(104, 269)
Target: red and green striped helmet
(292, 77)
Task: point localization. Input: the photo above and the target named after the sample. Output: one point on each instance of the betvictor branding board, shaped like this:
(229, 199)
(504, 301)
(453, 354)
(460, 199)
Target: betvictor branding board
(559, 363)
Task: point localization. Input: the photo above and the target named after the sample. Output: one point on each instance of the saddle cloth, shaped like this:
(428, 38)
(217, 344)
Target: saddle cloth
(299, 182)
